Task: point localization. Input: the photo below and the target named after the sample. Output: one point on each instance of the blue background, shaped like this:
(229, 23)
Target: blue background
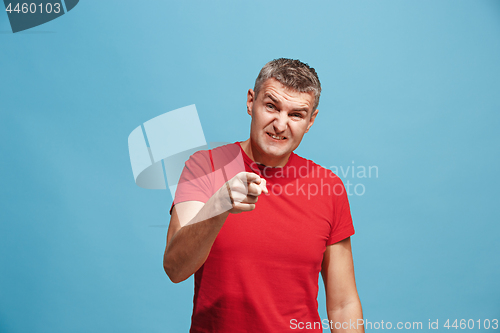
(411, 87)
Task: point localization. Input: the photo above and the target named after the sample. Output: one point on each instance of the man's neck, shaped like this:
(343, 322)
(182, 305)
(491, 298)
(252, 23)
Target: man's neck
(257, 157)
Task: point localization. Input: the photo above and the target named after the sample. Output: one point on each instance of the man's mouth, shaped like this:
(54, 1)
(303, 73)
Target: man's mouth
(276, 137)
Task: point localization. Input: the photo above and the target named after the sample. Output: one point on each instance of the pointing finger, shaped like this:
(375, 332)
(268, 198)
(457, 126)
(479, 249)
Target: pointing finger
(263, 185)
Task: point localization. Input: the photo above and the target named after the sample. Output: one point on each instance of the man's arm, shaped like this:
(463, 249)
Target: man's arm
(342, 300)
(194, 225)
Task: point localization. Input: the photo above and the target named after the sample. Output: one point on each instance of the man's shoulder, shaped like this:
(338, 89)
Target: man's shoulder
(216, 148)
(221, 155)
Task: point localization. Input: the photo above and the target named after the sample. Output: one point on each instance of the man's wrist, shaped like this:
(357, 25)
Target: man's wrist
(223, 200)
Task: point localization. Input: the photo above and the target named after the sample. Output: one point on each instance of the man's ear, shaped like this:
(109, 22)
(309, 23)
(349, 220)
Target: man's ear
(311, 121)
(250, 96)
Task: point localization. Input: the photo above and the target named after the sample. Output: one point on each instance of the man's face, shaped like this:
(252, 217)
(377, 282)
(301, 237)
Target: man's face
(280, 118)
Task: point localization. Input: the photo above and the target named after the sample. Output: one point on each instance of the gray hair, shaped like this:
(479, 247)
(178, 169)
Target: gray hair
(293, 74)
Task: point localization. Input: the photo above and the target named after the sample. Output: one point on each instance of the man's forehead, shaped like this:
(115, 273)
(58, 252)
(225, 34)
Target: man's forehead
(276, 90)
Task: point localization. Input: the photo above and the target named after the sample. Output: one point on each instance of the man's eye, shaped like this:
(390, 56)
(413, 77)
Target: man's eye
(297, 115)
(270, 106)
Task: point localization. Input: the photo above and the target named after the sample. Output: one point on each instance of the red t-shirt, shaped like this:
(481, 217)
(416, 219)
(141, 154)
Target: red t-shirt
(262, 272)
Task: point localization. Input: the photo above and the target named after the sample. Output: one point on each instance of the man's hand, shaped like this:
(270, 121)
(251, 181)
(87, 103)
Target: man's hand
(239, 194)
(243, 191)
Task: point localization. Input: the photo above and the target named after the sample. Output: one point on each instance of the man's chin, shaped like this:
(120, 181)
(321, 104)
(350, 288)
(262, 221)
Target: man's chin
(274, 150)
(276, 153)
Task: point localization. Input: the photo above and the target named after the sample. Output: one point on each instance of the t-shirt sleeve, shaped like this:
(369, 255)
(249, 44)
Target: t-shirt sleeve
(342, 226)
(196, 181)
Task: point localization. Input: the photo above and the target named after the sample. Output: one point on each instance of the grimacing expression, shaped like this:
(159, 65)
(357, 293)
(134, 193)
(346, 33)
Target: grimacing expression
(280, 118)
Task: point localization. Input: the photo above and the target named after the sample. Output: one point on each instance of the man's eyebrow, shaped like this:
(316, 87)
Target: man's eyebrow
(304, 109)
(272, 98)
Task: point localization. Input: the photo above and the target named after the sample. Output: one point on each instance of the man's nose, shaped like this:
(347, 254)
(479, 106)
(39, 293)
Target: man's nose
(281, 122)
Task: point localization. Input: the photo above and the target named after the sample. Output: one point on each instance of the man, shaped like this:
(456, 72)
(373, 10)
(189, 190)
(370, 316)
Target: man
(256, 223)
